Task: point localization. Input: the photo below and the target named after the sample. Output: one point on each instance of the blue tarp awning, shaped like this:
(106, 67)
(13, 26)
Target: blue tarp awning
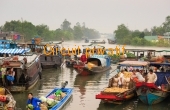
(13, 51)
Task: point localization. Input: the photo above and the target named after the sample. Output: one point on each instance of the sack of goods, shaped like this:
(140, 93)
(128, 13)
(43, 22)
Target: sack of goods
(52, 100)
(90, 65)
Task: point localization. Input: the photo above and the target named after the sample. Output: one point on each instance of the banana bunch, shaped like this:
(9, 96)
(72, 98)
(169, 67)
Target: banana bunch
(127, 74)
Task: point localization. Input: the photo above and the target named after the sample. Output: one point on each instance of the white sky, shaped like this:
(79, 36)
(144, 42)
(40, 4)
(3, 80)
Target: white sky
(102, 15)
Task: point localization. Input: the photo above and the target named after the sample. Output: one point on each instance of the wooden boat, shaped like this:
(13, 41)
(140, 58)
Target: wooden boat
(95, 64)
(86, 40)
(61, 100)
(50, 61)
(98, 42)
(6, 99)
(110, 41)
(116, 95)
(150, 93)
(70, 63)
(27, 71)
(136, 55)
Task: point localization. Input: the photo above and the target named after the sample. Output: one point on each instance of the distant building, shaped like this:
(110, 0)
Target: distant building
(151, 38)
(157, 38)
(15, 36)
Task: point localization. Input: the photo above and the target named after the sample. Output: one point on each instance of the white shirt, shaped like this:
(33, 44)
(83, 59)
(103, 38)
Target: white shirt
(125, 55)
(121, 76)
(152, 78)
(140, 77)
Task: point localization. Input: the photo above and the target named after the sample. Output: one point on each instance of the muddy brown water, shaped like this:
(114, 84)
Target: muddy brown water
(85, 88)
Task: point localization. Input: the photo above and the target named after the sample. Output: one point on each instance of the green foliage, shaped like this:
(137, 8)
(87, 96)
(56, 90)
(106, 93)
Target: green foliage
(130, 54)
(29, 31)
(136, 38)
(115, 57)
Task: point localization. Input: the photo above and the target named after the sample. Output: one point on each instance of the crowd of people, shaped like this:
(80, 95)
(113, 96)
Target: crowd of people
(138, 76)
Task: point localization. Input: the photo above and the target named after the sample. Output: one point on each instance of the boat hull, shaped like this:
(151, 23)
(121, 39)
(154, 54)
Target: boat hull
(150, 95)
(98, 42)
(50, 61)
(63, 101)
(115, 98)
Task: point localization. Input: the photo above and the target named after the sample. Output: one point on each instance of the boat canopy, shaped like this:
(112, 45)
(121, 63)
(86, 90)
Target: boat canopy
(14, 51)
(134, 63)
(103, 60)
(157, 63)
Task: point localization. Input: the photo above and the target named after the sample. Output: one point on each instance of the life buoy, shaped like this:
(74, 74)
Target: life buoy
(3, 98)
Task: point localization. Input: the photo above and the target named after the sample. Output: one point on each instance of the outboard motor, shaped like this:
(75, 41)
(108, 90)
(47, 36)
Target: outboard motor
(63, 85)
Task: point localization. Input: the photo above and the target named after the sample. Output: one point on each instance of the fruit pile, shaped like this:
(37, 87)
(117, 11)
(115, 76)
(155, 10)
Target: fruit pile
(115, 90)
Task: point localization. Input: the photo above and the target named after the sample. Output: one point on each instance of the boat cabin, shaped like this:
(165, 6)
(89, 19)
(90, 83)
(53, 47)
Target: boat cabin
(139, 53)
(7, 44)
(26, 69)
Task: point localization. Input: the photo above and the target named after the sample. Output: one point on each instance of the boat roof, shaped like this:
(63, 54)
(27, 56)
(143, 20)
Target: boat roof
(2, 40)
(139, 50)
(134, 63)
(14, 51)
(163, 51)
(30, 58)
(158, 63)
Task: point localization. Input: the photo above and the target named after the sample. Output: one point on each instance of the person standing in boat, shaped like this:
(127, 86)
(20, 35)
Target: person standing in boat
(3, 72)
(10, 76)
(121, 78)
(151, 77)
(83, 58)
(33, 101)
(139, 76)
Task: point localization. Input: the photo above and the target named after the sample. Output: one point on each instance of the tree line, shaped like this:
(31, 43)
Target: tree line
(29, 31)
(135, 37)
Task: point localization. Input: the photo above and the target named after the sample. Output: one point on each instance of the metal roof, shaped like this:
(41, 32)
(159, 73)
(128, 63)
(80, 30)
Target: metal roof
(14, 51)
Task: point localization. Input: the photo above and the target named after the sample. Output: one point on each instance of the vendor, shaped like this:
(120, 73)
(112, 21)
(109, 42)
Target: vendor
(33, 101)
(11, 75)
(121, 78)
(151, 77)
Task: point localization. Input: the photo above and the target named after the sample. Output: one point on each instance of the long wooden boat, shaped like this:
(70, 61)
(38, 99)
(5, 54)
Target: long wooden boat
(27, 71)
(116, 95)
(95, 64)
(153, 93)
(98, 42)
(6, 99)
(137, 55)
(59, 101)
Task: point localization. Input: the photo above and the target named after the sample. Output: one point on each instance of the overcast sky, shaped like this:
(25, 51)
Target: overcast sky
(102, 15)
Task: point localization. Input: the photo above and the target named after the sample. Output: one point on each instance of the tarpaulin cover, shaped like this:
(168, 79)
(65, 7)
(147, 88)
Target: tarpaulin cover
(161, 78)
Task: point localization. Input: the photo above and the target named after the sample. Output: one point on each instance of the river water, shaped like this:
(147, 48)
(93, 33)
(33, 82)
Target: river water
(85, 88)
